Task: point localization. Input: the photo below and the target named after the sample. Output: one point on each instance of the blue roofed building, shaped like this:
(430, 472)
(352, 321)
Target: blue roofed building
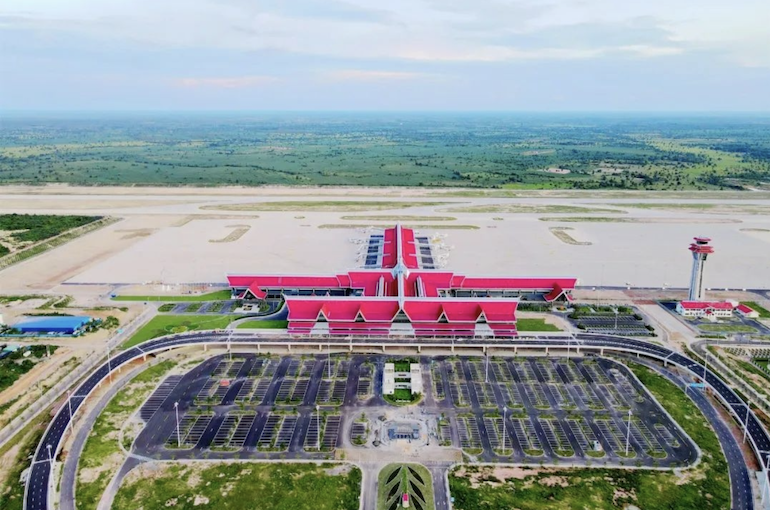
(58, 325)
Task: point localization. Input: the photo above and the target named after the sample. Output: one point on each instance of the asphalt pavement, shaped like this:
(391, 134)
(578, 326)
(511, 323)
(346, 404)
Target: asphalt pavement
(37, 490)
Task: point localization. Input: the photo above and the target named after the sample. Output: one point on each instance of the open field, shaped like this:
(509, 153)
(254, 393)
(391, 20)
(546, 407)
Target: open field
(643, 247)
(705, 208)
(397, 218)
(517, 151)
(533, 209)
(324, 206)
(14, 366)
(704, 486)
(247, 486)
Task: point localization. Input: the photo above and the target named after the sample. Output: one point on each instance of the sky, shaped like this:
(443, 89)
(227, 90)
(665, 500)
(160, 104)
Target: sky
(422, 55)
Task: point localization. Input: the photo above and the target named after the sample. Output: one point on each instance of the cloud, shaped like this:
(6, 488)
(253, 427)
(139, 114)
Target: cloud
(238, 82)
(373, 75)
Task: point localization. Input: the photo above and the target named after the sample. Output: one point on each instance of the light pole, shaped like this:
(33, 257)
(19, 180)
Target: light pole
(329, 358)
(69, 406)
(50, 464)
(505, 411)
(767, 481)
(486, 367)
(109, 361)
(628, 431)
(178, 433)
(318, 426)
(746, 423)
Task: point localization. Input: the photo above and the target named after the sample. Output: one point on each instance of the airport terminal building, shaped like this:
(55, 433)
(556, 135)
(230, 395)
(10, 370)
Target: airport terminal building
(399, 292)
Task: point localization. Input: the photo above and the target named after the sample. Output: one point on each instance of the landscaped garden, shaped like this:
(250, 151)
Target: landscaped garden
(397, 480)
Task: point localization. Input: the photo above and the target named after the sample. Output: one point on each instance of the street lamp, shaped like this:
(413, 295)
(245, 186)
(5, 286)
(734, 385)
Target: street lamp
(486, 367)
(109, 361)
(69, 405)
(318, 426)
(50, 463)
(628, 431)
(767, 481)
(505, 411)
(178, 433)
(746, 423)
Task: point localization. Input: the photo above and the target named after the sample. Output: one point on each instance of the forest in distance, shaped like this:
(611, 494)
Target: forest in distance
(483, 150)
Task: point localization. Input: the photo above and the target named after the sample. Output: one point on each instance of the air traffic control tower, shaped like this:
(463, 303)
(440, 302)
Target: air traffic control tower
(700, 251)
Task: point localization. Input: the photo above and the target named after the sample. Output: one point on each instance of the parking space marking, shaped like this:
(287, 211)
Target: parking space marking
(151, 406)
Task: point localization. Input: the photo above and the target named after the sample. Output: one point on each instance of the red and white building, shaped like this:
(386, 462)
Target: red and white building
(401, 297)
(705, 309)
(715, 309)
(746, 311)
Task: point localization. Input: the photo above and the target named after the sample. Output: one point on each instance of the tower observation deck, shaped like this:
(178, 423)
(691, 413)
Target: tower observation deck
(700, 249)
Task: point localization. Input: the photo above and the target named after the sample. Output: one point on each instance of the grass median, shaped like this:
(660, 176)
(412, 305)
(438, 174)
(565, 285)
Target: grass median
(705, 486)
(168, 324)
(220, 295)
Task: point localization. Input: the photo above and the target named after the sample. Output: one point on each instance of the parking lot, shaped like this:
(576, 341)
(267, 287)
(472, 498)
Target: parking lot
(556, 408)
(497, 410)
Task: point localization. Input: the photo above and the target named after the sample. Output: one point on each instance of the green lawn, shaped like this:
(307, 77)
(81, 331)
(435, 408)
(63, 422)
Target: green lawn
(764, 313)
(705, 486)
(264, 325)
(726, 328)
(219, 295)
(166, 324)
(534, 325)
(102, 455)
(236, 486)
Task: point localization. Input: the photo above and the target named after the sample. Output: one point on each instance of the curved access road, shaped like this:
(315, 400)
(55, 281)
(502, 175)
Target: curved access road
(38, 492)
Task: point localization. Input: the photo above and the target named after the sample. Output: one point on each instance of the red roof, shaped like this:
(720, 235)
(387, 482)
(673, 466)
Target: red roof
(369, 300)
(389, 249)
(493, 283)
(408, 249)
(744, 309)
(702, 305)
